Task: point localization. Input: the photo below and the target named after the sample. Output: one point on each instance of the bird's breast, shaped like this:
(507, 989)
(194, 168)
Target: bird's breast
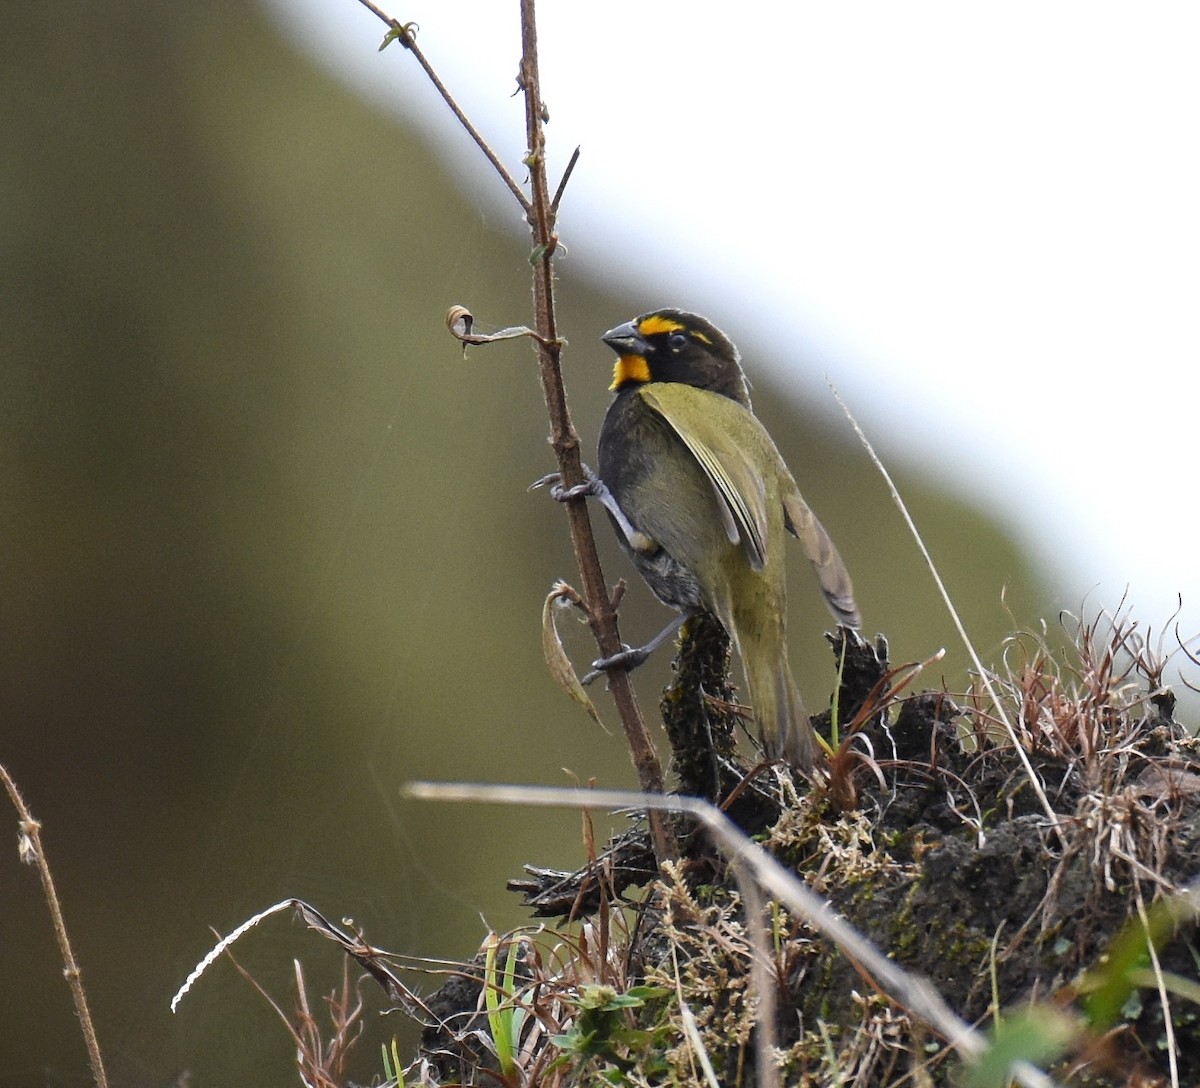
(664, 493)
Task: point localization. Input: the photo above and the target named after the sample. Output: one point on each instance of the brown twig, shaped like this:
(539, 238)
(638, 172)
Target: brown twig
(562, 184)
(404, 34)
(565, 441)
(541, 209)
(32, 854)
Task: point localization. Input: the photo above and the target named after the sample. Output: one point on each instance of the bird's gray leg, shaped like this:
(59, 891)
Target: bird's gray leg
(594, 486)
(632, 658)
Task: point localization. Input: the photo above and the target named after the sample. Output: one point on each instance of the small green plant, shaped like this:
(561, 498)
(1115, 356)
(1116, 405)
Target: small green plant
(393, 1068)
(506, 1015)
(603, 1032)
(1029, 1038)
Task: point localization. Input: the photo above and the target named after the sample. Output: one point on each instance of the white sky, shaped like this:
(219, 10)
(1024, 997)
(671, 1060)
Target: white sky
(982, 222)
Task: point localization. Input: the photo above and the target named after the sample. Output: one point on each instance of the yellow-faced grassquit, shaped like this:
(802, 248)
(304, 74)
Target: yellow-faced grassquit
(700, 499)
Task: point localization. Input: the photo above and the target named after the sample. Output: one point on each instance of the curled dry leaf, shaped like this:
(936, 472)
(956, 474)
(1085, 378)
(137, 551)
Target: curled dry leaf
(556, 657)
(461, 323)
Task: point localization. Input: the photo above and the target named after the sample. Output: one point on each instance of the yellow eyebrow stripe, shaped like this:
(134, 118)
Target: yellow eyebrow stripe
(656, 323)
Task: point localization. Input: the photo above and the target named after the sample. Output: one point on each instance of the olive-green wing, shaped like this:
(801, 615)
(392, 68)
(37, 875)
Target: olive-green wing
(705, 421)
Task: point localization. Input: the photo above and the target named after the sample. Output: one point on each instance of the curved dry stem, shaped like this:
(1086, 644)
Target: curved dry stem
(32, 854)
(984, 677)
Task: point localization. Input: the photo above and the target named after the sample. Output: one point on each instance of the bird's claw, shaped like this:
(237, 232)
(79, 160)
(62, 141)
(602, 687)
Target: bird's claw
(553, 483)
(628, 659)
(566, 494)
(551, 479)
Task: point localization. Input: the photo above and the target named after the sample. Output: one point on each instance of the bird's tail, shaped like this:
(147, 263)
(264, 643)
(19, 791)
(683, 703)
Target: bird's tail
(783, 725)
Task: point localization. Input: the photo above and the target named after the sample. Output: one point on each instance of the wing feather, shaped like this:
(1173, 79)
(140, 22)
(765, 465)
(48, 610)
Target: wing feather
(831, 572)
(700, 419)
(704, 420)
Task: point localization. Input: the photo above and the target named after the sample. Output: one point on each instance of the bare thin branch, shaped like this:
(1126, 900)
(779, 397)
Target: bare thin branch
(32, 853)
(562, 185)
(563, 438)
(540, 211)
(404, 34)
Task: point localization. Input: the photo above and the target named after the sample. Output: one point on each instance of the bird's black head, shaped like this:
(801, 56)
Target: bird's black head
(675, 346)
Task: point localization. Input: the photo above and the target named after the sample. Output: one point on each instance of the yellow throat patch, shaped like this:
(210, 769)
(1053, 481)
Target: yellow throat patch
(630, 368)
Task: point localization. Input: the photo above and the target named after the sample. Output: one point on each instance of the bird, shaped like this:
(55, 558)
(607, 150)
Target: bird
(700, 500)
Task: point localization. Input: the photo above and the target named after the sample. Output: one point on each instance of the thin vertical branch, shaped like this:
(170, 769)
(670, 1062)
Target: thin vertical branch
(565, 442)
(33, 854)
(541, 208)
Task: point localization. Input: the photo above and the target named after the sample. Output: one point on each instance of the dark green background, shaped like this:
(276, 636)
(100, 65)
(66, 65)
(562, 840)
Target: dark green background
(266, 550)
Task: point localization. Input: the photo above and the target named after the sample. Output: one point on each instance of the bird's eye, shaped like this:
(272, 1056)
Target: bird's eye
(677, 341)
